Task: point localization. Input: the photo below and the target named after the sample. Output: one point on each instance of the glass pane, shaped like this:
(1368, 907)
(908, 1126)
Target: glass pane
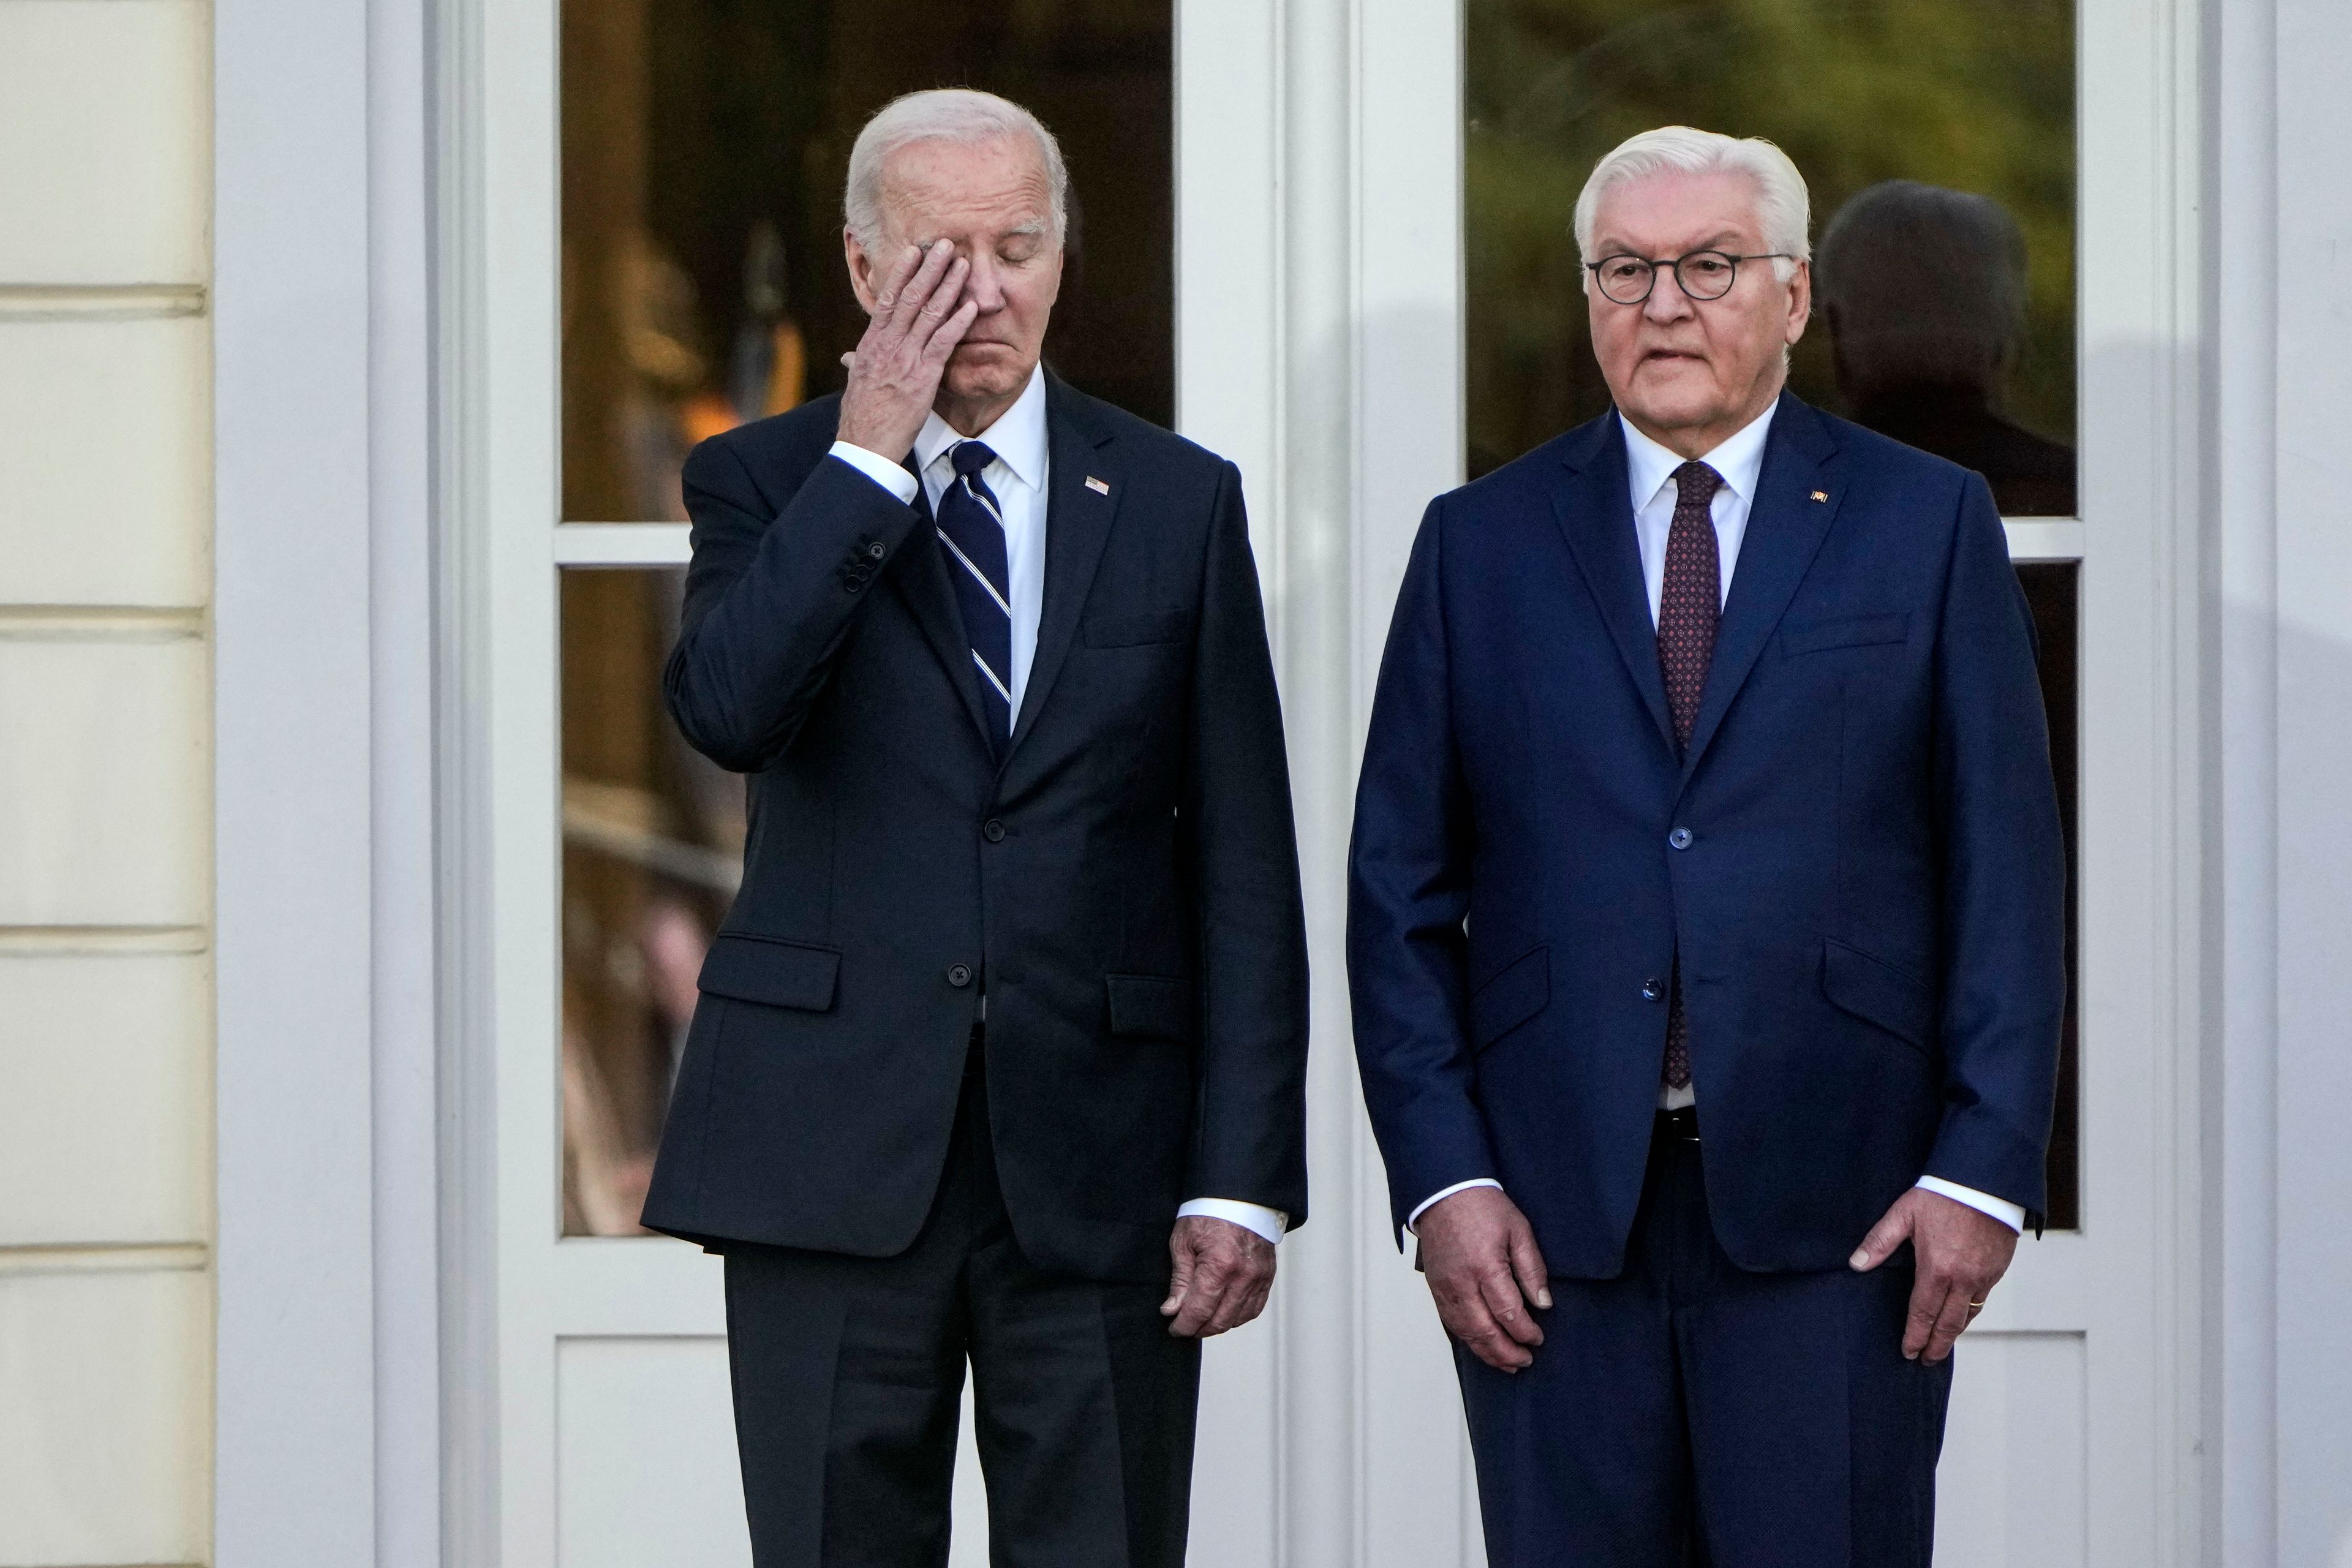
(2053, 589)
(1944, 317)
(704, 147)
(652, 845)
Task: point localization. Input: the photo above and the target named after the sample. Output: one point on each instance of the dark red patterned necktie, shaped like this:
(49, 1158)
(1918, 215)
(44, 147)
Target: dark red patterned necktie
(1689, 609)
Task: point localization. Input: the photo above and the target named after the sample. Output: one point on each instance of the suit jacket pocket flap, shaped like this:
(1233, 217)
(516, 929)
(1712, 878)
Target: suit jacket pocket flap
(1878, 993)
(772, 973)
(1519, 991)
(1851, 631)
(1137, 628)
(1149, 1007)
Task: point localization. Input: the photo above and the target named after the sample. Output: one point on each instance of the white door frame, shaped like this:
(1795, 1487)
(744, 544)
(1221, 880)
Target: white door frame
(1322, 349)
(1337, 390)
(325, 1436)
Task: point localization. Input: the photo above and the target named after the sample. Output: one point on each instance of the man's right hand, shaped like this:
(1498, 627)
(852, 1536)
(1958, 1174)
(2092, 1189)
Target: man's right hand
(918, 316)
(1480, 1255)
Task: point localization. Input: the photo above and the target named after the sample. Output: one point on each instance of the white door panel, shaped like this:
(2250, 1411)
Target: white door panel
(1320, 345)
(2012, 1487)
(646, 1465)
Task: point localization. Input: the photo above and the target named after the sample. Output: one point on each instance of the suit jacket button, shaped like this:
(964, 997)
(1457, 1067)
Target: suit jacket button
(1680, 838)
(959, 974)
(995, 831)
(1652, 989)
(876, 550)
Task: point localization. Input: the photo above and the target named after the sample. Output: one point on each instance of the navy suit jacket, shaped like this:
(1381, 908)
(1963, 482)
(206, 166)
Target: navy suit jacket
(1121, 878)
(1868, 906)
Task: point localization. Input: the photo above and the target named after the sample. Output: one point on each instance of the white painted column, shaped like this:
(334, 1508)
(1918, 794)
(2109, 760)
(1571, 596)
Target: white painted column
(2312, 827)
(2241, 1228)
(1229, 351)
(1319, 346)
(295, 1475)
(405, 1111)
(1321, 1315)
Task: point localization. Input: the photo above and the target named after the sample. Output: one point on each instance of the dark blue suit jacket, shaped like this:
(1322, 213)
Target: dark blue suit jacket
(1121, 878)
(1868, 911)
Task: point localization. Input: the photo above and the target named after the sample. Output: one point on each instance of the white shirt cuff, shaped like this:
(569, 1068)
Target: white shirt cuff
(2008, 1213)
(1414, 1218)
(890, 475)
(1255, 1217)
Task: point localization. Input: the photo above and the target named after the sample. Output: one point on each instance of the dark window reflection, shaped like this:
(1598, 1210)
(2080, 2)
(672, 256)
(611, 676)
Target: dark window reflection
(1973, 96)
(704, 146)
(1922, 292)
(652, 845)
(2053, 590)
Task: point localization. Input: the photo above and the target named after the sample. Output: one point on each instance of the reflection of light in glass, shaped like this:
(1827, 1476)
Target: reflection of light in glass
(652, 854)
(620, 822)
(703, 145)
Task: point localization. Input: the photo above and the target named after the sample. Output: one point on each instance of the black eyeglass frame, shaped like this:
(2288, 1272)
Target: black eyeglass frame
(1675, 264)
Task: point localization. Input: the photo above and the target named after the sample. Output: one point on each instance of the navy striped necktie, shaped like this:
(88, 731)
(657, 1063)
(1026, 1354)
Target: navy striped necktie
(971, 526)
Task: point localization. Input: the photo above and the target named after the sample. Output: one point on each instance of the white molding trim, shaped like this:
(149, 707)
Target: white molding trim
(2041, 539)
(400, 363)
(99, 302)
(294, 1478)
(2308, 207)
(622, 544)
(470, 1384)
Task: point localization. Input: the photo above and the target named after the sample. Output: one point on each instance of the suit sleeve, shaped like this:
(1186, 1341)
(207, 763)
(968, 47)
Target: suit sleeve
(2004, 875)
(1250, 1122)
(1408, 895)
(770, 598)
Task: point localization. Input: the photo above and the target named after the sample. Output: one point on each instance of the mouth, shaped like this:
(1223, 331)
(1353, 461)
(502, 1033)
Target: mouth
(1670, 356)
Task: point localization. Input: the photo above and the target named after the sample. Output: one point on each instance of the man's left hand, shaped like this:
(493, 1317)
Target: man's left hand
(1221, 1277)
(1961, 1256)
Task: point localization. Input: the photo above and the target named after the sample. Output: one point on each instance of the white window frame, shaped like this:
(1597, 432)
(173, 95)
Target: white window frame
(1334, 149)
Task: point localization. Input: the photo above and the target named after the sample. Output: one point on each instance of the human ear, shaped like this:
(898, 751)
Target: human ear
(1800, 301)
(861, 269)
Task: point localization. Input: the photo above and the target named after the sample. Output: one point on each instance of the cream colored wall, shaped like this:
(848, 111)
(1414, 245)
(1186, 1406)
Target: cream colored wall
(105, 770)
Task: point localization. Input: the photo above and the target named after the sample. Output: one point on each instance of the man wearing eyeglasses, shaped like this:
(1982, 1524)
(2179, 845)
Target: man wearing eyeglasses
(1706, 922)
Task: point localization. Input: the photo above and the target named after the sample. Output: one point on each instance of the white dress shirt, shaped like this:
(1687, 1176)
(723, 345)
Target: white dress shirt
(1650, 481)
(1018, 477)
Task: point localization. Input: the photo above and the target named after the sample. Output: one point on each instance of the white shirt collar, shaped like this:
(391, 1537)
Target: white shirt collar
(1017, 438)
(1737, 461)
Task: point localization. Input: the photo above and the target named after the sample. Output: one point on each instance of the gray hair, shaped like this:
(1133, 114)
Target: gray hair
(1783, 207)
(945, 114)
(1923, 285)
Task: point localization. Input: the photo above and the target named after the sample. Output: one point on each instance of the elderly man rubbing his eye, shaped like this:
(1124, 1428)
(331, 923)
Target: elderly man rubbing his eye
(1000, 1054)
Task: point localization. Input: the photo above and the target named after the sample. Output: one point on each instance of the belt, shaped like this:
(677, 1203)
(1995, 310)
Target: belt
(1680, 1122)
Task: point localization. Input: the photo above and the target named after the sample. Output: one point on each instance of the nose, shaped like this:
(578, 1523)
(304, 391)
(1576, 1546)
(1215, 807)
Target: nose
(985, 286)
(1667, 303)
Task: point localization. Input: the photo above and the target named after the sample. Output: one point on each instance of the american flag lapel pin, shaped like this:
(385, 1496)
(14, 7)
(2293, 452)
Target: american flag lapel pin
(1820, 495)
(1100, 486)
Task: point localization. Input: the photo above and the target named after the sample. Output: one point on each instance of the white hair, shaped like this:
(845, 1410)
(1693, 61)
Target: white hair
(945, 114)
(1783, 206)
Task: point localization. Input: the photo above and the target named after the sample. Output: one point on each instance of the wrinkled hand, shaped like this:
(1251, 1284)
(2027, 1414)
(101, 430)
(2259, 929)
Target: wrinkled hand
(1484, 1269)
(1223, 1273)
(1961, 1254)
(919, 315)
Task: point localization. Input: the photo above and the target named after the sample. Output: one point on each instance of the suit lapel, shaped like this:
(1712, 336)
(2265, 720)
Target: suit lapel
(1786, 526)
(1077, 526)
(921, 580)
(1595, 514)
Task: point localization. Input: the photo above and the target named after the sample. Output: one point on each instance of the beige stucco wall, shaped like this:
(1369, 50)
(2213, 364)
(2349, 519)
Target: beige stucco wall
(105, 769)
